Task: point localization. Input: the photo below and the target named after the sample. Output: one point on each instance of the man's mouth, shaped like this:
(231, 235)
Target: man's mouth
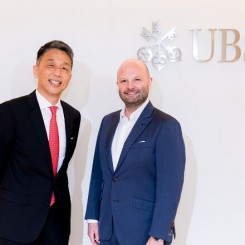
(54, 83)
(131, 93)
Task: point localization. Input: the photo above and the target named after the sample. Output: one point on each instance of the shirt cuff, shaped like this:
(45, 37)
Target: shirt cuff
(92, 221)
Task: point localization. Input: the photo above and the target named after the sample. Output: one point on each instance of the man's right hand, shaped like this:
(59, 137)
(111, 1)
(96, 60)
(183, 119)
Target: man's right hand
(93, 233)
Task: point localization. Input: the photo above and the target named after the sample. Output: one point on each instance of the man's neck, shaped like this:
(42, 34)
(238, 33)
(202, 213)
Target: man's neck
(129, 110)
(53, 100)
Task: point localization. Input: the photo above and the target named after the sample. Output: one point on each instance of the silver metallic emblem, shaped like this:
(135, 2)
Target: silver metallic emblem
(161, 52)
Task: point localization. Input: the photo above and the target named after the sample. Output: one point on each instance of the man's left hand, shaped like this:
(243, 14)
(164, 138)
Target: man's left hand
(152, 241)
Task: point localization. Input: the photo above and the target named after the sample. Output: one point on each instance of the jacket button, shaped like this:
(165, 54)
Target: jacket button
(114, 179)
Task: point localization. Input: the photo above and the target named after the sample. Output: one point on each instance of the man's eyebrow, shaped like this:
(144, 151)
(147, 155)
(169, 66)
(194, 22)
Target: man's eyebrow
(50, 60)
(65, 63)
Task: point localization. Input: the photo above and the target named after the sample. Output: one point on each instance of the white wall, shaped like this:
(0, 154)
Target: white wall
(207, 98)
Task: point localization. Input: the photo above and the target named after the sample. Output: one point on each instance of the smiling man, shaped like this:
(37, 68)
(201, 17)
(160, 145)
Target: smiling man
(138, 168)
(38, 135)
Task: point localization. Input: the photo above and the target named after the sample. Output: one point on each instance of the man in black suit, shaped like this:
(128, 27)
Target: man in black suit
(27, 180)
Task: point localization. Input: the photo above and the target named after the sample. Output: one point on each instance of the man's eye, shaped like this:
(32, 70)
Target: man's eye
(123, 81)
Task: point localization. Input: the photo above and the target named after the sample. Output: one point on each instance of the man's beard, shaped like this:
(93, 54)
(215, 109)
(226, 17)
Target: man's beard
(134, 103)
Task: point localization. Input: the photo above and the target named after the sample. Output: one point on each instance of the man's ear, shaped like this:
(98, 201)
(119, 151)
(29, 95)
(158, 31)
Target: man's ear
(35, 71)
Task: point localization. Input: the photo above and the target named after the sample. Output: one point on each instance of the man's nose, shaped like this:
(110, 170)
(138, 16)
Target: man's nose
(56, 71)
(131, 84)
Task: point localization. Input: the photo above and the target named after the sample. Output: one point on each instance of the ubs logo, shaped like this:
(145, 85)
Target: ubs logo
(162, 51)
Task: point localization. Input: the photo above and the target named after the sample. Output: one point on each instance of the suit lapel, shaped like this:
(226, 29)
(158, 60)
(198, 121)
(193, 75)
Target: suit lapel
(111, 132)
(68, 128)
(144, 119)
(38, 125)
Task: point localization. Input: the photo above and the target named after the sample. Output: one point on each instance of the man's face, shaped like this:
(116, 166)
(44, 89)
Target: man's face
(134, 83)
(53, 72)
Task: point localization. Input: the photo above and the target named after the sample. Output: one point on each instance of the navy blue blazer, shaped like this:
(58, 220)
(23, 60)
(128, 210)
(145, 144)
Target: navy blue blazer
(26, 175)
(140, 198)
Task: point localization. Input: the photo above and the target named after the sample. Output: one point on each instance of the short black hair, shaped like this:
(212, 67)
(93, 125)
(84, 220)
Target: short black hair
(55, 44)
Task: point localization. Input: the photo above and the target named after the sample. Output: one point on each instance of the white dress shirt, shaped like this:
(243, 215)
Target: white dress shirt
(124, 128)
(46, 114)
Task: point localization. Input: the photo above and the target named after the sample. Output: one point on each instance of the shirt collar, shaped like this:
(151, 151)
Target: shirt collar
(136, 113)
(44, 103)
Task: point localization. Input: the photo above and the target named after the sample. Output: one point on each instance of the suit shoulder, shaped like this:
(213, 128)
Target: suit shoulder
(111, 115)
(70, 108)
(15, 102)
(114, 113)
(163, 116)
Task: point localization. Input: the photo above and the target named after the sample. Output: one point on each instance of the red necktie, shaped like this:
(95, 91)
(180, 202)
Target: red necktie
(54, 144)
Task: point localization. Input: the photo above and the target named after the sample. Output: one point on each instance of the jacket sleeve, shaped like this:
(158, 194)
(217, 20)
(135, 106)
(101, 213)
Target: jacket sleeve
(96, 182)
(170, 164)
(6, 136)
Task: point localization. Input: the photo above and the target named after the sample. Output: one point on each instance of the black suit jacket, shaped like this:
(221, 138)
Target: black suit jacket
(26, 176)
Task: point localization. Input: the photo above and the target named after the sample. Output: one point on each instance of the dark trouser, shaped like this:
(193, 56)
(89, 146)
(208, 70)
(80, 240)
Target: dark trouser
(50, 235)
(114, 240)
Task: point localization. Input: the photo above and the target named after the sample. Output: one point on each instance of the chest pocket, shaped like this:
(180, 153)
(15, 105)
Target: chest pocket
(142, 144)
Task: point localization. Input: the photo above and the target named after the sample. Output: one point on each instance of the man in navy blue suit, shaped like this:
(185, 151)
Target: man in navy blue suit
(138, 168)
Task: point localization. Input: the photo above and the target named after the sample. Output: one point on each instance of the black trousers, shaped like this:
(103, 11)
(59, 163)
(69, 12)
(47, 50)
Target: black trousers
(50, 235)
